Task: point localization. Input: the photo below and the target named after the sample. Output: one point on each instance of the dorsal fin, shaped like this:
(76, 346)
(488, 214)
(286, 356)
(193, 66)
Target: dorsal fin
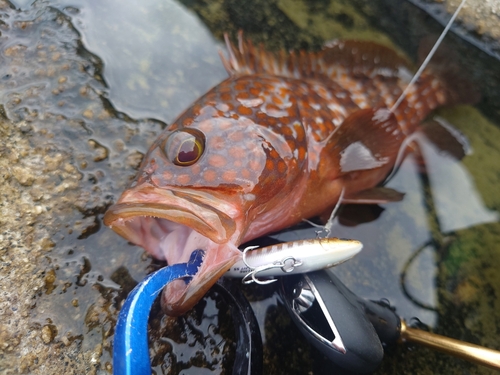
(364, 57)
(339, 56)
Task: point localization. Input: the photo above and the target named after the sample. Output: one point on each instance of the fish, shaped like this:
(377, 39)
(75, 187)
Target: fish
(278, 141)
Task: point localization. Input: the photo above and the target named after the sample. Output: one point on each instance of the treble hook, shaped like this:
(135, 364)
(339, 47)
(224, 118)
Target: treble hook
(287, 265)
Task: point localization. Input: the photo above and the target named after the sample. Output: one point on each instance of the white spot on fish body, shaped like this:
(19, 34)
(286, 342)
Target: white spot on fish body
(250, 103)
(286, 102)
(274, 112)
(385, 72)
(381, 115)
(360, 100)
(357, 157)
(223, 107)
(337, 122)
(405, 74)
(336, 108)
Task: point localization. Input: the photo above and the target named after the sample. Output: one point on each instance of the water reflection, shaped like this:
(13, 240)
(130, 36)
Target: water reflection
(158, 57)
(456, 199)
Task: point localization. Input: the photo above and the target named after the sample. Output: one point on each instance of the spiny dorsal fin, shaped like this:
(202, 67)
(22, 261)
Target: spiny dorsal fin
(364, 57)
(337, 57)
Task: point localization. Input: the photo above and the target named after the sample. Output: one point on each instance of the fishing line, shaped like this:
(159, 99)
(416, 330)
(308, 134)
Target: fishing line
(401, 156)
(327, 228)
(428, 58)
(403, 276)
(329, 223)
(411, 138)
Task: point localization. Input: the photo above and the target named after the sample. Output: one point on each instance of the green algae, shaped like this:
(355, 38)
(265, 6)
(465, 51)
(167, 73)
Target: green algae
(330, 20)
(470, 282)
(290, 24)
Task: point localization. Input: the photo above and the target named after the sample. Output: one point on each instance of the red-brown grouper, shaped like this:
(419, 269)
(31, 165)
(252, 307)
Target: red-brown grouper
(273, 144)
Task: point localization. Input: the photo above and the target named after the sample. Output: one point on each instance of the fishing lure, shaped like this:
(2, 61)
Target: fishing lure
(292, 257)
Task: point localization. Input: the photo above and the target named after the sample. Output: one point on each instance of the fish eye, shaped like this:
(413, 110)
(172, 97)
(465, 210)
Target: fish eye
(184, 147)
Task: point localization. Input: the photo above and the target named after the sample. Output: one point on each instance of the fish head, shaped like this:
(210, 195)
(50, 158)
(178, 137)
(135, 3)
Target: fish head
(201, 185)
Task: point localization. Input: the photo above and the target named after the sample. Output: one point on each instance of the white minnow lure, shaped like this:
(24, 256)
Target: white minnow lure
(292, 257)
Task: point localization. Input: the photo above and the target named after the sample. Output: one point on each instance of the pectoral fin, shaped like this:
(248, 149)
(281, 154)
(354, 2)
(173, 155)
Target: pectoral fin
(368, 139)
(446, 138)
(351, 215)
(377, 195)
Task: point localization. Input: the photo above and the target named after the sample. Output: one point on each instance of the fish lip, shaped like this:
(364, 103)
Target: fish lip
(193, 209)
(170, 224)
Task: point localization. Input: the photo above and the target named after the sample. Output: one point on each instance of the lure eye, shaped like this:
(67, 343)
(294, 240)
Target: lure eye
(184, 147)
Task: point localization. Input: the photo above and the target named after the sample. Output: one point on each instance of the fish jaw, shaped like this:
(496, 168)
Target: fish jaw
(179, 296)
(170, 225)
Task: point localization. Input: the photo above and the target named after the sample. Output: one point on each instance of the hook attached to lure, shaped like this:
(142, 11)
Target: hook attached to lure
(292, 258)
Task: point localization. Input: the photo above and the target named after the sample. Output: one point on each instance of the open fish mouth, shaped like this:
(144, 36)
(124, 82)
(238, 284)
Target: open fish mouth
(170, 225)
(138, 215)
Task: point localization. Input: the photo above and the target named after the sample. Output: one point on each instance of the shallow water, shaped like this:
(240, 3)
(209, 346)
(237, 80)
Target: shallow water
(76, 75)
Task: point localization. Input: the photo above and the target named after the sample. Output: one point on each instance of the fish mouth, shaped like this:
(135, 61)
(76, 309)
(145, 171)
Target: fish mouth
(200, 211)
(170, 225)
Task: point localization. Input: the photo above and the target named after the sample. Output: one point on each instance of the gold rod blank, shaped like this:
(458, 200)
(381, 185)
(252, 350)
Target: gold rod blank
(460, 349)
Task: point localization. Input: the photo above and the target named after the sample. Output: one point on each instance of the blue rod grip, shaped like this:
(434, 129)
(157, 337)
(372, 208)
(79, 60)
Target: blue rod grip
(130, 345)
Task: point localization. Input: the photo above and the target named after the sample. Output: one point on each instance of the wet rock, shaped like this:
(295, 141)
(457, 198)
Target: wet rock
(134, 159)
(47, 334)
(88, 113)
(100, 152)
(24, 176)
(45, 192)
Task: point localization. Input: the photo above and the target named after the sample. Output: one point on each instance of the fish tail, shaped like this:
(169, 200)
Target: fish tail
(456, 82)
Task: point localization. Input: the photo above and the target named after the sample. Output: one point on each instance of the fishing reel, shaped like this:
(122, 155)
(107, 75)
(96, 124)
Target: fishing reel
(337, 322)
(352, 331)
